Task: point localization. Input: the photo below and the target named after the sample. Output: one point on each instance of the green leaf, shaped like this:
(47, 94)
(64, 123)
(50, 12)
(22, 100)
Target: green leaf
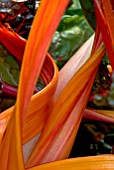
(72, 32)
(88, 11)
(9, 72)
(9, 68)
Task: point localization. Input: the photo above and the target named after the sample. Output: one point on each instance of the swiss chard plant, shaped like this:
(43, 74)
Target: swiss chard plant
(38, 132)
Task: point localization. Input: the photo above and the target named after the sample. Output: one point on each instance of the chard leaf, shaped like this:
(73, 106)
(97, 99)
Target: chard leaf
(72, 32)
(9, 68)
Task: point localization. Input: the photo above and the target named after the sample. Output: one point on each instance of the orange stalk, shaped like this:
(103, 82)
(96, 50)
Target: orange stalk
(12, 41)
(107, 35)
(67, 100)
(37, 111)
(36, 49)
(11, 155)
(28, 132)
(109, 16)
(101, 162)
(79, 58)
(66, 114)
(99, 115)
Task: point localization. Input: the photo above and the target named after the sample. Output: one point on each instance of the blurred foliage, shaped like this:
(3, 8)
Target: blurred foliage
(9, 73)
(105, 101)
(93, 138)
(88, 11)
(72, 32)
(9, 67)
(6, 102)
(9, 79)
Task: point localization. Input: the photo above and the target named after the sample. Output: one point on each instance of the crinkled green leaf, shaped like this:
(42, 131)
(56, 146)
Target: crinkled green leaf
(9, 68)
(72, 32)
(74, 9)
(9, 73)
(67, 38)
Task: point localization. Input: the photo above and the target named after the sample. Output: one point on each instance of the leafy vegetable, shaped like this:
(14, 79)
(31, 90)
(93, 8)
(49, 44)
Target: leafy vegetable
(72, 32)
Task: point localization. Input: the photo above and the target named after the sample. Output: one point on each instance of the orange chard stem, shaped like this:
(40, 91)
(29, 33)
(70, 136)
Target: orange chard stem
(99, 115)
(99, 162)
(109, 16)
(12, 41)
(105, 32)
(44, 25)
(36, 48)
(67, 100)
